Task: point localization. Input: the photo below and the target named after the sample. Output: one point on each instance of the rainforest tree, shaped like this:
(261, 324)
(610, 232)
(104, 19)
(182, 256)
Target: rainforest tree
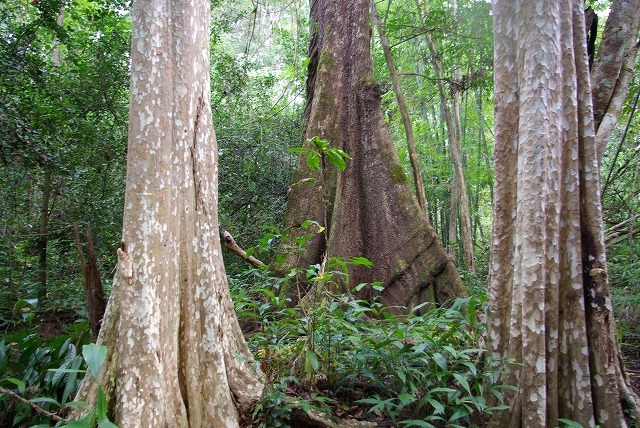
(549, 300)
(369, 209)
(176, 355)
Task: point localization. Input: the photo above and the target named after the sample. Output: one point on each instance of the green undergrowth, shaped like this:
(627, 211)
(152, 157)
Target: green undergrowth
(340, 356)
(45, 371)
(351, 358)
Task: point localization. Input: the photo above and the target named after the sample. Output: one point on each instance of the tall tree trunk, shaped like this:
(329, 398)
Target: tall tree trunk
(613, 67)
(454, 134)
(404, 111)
(549, 301)
(369, 209)
(176, 354)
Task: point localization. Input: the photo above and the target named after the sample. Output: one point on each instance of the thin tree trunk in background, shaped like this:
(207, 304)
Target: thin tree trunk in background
(43, 238)
(43, 234)
(368, 209)
(453, 218)
(483, 138)
(454, 133)
(613, 67)
(433, 142)
(549, 301)
(95, 300)
(404, 112)
(463, 196)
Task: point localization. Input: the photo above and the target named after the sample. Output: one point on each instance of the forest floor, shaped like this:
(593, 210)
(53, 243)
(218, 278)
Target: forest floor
(53, 325)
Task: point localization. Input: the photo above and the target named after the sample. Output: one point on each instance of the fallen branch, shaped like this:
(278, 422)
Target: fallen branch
(227, 239)
(34, 406)
(316, 418)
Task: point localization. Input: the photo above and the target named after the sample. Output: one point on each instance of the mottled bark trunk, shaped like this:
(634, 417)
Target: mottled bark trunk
(369, 209)
(613, 67)
(404, 112)
(177, 356)
(549, 303)
(454, 136)
(95, 300)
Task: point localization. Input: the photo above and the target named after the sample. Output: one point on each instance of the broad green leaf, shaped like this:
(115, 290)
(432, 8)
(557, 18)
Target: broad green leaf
(471, 367)
(497, 394)
(406, 398)
(106, 423)
(78, 405)
(94, 355)
(360, 286)
(417, 423)
(313, 161)
(71, 385)
(45, 400)
(442, 390)
(360, 261)
(313, 359)
(101, 405)
(22, 303)
(320, 143)
(335, 159)
(460, 413)
(68, 359)
(20, 384)
(569, 423)
(440, 360)
(438, 408)
(78, 424)
(4, 358)
(298, 149)
(462, 382)
(88, 421)
(67, 370)
(21, 412)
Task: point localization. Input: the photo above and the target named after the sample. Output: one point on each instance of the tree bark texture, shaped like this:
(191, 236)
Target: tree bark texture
(369, 209)
(177, 356)
(549, 302)
(613, 67)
